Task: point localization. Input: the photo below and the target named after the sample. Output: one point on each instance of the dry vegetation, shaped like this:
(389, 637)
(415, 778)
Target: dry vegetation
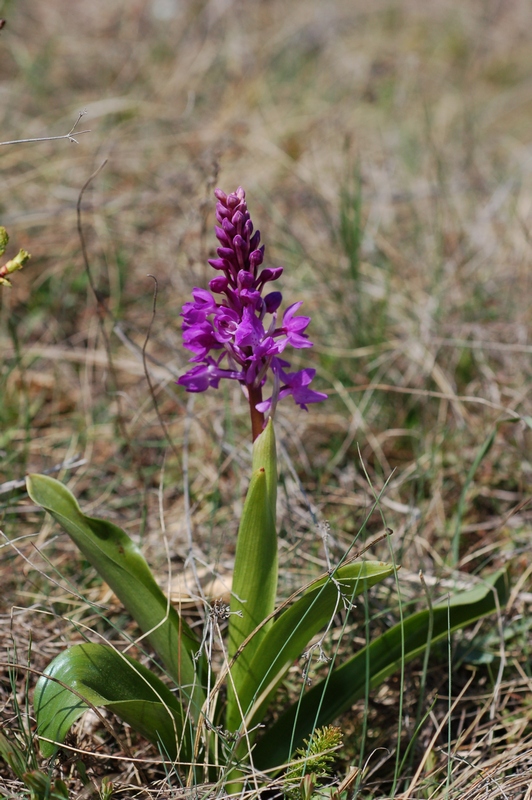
(385, 151)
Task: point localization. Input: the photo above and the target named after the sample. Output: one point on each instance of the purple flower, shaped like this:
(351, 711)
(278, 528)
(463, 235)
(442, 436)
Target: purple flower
(242, 327)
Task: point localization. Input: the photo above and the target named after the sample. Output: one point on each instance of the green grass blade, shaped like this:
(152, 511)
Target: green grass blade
(334, 695)
(482, 453)
(256, 567)
(12, 754)
(289, 635)
(104, 677)
(122, 566)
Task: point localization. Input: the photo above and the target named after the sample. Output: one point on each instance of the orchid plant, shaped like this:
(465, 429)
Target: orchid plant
(213, 726)
(236, 328)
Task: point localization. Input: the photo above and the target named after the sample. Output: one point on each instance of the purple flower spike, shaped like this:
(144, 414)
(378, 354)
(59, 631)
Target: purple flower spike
(247, 343)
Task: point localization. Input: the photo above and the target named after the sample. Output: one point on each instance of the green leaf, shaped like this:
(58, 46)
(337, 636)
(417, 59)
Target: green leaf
(42, 788)
(105, 677)
(343, 686)
(255, 574)
(265, 457)
(482, 453)
(11, 753)
(289, 635)
(120, 563)
(254, 584)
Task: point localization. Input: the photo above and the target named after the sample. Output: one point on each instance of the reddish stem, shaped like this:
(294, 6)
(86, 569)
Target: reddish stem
(257, 417)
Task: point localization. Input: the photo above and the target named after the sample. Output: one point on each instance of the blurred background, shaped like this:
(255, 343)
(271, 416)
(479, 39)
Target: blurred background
(386, 152)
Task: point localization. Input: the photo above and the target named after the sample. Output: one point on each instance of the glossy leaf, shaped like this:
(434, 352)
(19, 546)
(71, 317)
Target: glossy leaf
(106, 678)
(265, 457)
(120, 563)
(255, 573)
(323, 703)
(290, 634)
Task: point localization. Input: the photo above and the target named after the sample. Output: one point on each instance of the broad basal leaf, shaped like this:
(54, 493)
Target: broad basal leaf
(290, 634)
(107, 678)
(255, 573)
(323, 703)
(117, 559)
